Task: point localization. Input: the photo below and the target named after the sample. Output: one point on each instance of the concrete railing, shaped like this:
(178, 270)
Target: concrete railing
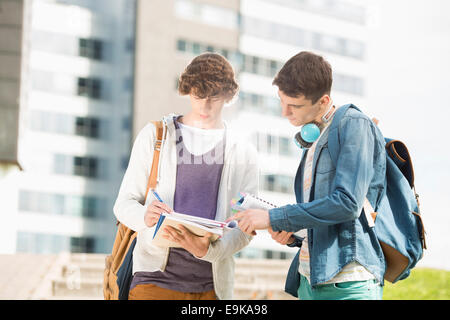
(80, 276)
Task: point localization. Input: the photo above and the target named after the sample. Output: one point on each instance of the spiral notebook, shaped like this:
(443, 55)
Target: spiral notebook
(250, 201)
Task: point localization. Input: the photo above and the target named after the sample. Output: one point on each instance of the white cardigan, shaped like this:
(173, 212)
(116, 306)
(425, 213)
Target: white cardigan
(240, 174)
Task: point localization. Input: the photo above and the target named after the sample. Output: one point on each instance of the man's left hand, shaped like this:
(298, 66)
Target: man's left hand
(196, 245)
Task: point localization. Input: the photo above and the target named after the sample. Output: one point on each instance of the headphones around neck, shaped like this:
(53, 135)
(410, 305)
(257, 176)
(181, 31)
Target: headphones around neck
(310, 132)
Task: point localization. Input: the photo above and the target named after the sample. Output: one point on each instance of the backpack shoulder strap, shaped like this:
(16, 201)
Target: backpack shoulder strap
(152, 179)
(333, 137)
(334, 147)
(398, 152)
(160, 136)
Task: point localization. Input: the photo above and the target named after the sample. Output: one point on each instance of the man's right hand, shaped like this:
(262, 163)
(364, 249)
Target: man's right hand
(153, 212)
(282, 237)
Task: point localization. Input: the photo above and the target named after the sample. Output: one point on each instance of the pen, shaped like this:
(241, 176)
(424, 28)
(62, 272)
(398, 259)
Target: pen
(157, 196)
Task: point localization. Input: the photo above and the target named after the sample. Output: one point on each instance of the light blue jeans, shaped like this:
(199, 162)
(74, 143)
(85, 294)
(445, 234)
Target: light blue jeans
(351, 290)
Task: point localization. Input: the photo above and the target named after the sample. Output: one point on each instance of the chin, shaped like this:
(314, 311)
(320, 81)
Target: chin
(295, 122)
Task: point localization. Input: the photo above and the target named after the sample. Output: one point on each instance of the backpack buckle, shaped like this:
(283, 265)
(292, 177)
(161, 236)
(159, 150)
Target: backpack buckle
(158, 144)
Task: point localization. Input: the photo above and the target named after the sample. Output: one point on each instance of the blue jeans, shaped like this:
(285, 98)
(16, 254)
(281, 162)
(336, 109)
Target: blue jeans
(351, 290)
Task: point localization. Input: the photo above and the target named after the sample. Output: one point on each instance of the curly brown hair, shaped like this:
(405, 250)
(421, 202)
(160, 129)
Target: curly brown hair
(208, 75)
(305, 74)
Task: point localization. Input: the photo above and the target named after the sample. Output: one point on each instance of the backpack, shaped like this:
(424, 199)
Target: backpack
(119, 264)
(397, 220)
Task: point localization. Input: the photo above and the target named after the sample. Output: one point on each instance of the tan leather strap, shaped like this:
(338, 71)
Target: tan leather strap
(152, 180)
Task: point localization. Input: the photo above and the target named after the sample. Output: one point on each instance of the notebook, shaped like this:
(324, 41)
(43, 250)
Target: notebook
(250, 201)
(197, 225)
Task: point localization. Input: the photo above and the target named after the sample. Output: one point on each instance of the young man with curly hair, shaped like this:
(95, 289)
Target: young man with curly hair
(202, 167)
(339, 256)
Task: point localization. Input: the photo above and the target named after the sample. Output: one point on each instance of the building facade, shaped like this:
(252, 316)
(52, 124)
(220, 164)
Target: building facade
(77, 122)
(14, 22)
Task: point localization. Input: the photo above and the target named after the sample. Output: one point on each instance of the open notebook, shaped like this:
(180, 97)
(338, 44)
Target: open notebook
(197, 225)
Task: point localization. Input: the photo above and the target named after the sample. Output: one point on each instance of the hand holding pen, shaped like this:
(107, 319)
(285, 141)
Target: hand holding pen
(155, 209)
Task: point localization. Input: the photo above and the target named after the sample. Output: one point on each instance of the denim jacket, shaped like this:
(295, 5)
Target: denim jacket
(337, 231)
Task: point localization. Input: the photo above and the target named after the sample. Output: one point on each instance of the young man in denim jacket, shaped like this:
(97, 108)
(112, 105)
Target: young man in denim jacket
(339, 256)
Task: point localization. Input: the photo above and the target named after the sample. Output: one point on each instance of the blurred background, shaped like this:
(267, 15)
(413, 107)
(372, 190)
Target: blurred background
(80, 78)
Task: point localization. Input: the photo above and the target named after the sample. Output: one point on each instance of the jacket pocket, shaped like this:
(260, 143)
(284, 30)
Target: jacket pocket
(324, 163)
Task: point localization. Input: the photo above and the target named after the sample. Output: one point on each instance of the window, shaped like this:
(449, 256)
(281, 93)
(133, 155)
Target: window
(66, 124)
(82, 244)
(83, 206)
(90, 48)
(278, 183)
(355, 49)
(285, 146)
(85, 166)
(255, 99)
(129, 45)
(261, 66)
(270, 182)
(272, 144)
(61, 204)
(57, 204)
(181, 45)
(62, 164)
(124, 162)
(79, 166)
(273, 68)
(74, 206)
(207, 14)
(196, 48)
(225, 53)
(334, 8)
(260, 103)
(128, 83)
(329, 43)
(87, 127)
(25, 200)
(41, 243)
(89, 87)
(255, 64)
(349, 84)
(126, 122)
(299, 37)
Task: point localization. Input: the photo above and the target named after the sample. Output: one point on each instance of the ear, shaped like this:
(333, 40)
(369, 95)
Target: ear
(325, 100)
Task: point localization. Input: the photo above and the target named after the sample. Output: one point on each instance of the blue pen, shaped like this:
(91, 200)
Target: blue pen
(157, 196)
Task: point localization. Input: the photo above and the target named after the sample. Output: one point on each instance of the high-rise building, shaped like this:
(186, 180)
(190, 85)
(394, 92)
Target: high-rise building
(75, 143)
(14, 22)
(258, 37)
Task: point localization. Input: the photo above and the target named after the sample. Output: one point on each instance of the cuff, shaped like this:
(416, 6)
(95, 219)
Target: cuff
(210, 255)
(278, 219)
(297, 242)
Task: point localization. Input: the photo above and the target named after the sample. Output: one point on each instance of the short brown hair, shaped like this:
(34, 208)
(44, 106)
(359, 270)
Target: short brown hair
(208, 75)
(305, 74)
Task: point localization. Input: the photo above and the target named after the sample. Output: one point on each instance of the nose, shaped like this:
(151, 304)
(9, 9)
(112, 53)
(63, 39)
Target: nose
(206, 105)
(285, 111)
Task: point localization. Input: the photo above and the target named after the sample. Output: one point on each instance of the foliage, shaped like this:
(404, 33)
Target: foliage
(422, 284)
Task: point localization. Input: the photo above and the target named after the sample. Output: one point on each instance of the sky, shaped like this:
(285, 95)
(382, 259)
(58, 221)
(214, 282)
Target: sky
(409, 65)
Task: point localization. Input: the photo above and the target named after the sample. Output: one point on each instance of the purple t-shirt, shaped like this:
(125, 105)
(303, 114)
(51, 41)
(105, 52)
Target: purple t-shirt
(196, 191)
